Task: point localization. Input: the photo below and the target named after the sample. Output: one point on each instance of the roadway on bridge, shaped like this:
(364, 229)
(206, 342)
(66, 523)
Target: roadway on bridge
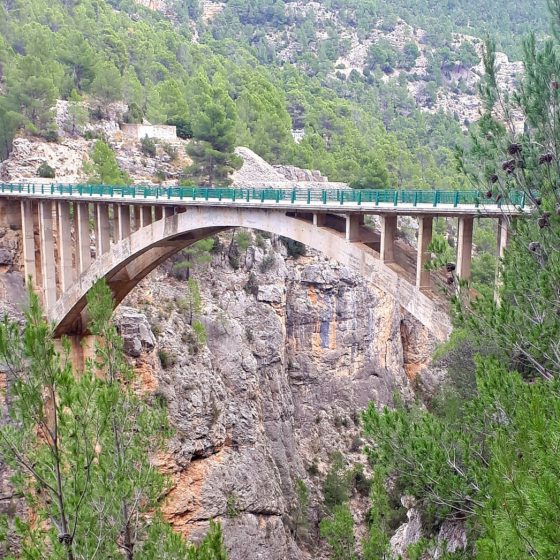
(410, 203)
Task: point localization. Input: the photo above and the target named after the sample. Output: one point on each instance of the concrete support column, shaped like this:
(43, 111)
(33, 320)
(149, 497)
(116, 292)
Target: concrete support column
(388, 236)
(464, 247)
(103, 240)
(168, 211)
(115, 224)
(122, 224)
(48, 266)
(319, 220)
(423, 281)
(503, 237)
(353, 223)
(136, 213)
(28, 240)
(66, 270)
(158, 212)
(145, 216)
(81, 229)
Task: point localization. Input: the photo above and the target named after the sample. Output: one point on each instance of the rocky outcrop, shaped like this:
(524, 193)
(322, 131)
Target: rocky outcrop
(297, 174)
(256, 172)
(66, 158)
(410, 532)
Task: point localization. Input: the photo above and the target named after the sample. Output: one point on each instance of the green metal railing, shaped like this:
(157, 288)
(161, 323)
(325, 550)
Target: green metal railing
(292, 196)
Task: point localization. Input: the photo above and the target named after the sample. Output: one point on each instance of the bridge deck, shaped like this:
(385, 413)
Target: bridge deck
(409, 203)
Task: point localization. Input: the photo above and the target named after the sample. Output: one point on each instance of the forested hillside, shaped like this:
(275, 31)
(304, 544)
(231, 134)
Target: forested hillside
(99, 53)
(505, 21)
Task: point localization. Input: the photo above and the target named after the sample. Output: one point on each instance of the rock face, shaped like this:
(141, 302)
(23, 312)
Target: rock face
(296, 349)
(296, 174)
(256, 172)
(66, 157)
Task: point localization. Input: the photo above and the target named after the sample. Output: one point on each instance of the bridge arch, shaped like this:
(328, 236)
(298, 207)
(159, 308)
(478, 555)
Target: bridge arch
(131, 259)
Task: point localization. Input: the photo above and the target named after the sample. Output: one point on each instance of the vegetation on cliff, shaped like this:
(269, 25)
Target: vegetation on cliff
(80, 446)
(485, 452)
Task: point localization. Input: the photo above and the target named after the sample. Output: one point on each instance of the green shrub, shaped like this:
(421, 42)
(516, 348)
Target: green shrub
(171, 151)
(166, 359)
(148, 146)
(267, 263)
(295, 248)
(252, 285)
(337, 484)
(46, 171)
(232, 507)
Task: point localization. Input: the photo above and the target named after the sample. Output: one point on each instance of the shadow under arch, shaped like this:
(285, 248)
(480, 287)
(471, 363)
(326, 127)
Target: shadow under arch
(130, 260)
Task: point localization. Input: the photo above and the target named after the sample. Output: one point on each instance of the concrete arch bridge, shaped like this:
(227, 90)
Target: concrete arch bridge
(74, 234)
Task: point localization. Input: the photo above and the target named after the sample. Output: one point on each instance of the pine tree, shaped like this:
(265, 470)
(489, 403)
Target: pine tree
(79, 446)
(77, 114)
(213, 127)
(105, 168)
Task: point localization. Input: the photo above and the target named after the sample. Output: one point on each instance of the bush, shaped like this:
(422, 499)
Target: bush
(295, 248)
(166, 359)
(171, 151)
(267, 263)
(134, 115)
(51, 135)
(232, 507)
(336, 488)
(199, 333)
(184, 129)
(148, 146)
(252, 286)
(46, 171)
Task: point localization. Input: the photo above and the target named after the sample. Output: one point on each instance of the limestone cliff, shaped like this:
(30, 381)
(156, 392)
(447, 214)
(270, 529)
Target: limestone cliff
(296, 349)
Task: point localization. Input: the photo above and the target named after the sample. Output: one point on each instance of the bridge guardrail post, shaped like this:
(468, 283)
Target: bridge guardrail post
(342, 197)
(308, 196)
(277, 196)
(324, 196)
(262, 195)
(415, 203)
(293, 196)
(359, 198)
(456, 200)
(396, 198)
